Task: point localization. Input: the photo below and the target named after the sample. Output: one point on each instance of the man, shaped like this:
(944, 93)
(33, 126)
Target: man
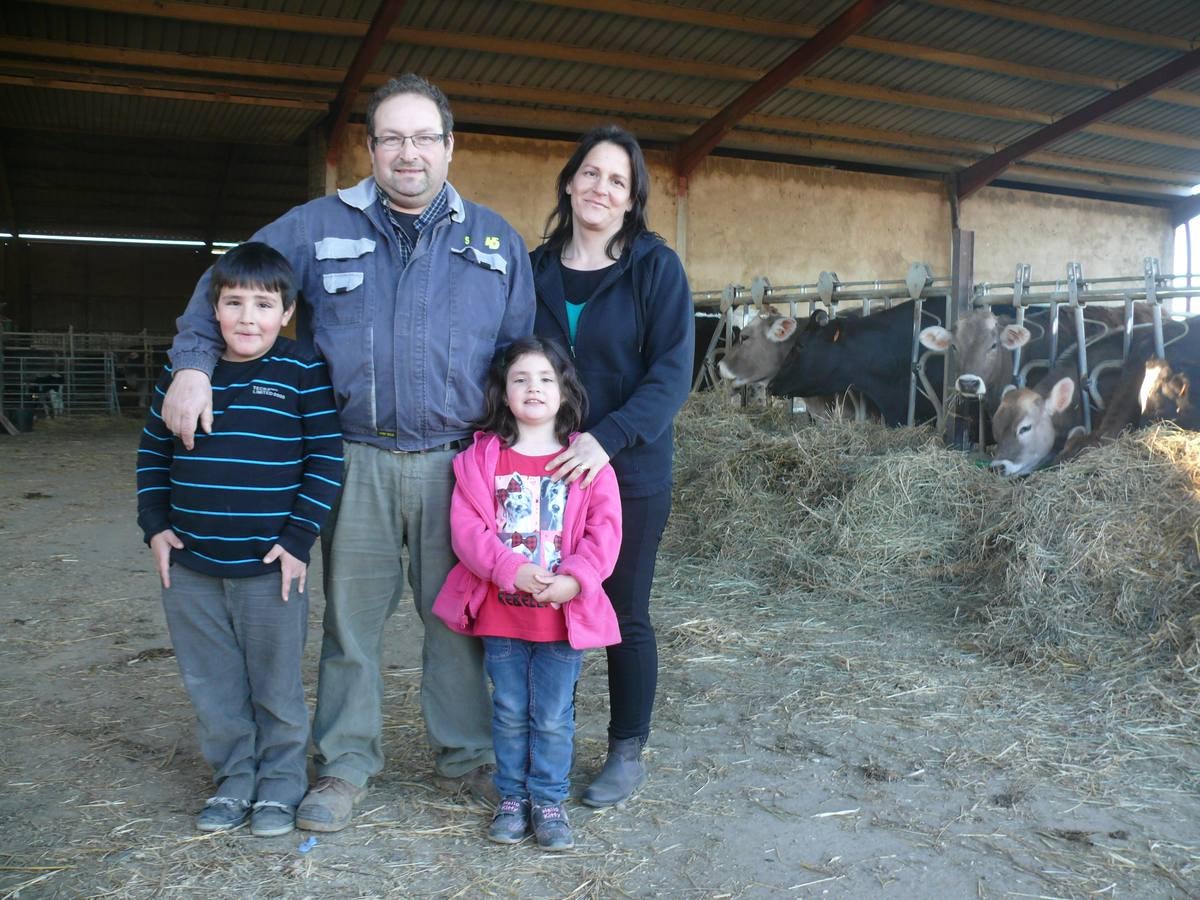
(410, 290)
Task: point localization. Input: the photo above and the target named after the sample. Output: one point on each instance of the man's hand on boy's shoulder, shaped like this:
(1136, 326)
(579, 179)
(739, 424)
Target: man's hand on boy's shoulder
(290, 567)
(188, 404)
(160, 546)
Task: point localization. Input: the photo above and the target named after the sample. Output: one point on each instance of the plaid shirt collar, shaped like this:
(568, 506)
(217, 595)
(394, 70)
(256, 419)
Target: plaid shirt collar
(437, 208)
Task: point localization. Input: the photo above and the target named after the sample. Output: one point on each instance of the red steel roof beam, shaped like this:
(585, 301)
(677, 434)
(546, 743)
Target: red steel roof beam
(692, 150)
(972, 178)
(343, 103)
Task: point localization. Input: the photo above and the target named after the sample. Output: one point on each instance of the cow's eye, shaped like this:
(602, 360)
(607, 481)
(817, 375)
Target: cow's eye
(1024, 429)
(994, 345)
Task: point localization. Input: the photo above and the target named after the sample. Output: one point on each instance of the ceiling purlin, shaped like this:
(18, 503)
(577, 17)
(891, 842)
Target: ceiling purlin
(179, 9)
(1028, 16)
(692, 150)
(979, 174)
(693, 112)
(172, 86)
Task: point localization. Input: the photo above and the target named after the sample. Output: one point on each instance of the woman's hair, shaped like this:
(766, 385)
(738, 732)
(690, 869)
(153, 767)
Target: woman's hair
(253, 265)
(558, 223)
(498, 418)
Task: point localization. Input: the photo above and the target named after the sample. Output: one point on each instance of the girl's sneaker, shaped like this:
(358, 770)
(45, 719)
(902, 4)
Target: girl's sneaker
(510, 823)
(222, 814)
(551, 827)
(270, 818)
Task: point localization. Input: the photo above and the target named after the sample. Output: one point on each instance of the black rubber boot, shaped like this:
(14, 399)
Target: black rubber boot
(622, 774)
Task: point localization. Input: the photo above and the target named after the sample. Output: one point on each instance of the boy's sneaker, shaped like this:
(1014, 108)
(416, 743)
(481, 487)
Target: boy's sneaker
(510, 823)
(551, 827)
(269, 818)
(222, 814)
(329, 804)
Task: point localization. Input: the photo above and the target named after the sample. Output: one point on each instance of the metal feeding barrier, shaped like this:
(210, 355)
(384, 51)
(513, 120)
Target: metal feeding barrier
(74, 373)
(738, 304)
(1151, 287)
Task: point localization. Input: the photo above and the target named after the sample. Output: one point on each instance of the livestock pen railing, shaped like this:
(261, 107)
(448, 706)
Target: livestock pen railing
(1168, 296)
(1163, 294)
(738, 304)
(71, 373)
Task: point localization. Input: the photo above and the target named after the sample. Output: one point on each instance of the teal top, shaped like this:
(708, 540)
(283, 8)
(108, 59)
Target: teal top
(573, 312)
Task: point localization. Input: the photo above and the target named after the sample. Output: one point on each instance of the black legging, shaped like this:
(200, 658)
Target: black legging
(633, 663)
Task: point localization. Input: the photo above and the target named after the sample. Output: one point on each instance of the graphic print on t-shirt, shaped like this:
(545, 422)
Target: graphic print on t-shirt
(529, 516)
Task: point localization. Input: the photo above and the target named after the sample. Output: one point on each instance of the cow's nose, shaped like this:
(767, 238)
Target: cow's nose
(970, 384)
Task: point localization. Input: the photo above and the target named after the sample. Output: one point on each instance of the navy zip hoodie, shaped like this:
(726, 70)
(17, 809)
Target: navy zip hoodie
(633, 350)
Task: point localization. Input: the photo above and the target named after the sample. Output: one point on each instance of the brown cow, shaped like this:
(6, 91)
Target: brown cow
(984, 344)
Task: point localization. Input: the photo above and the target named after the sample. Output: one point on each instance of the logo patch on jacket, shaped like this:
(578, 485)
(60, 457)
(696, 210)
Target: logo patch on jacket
(491, 242)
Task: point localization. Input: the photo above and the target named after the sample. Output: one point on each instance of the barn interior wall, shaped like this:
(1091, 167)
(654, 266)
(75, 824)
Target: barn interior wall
(1048, 231)
(750, 217)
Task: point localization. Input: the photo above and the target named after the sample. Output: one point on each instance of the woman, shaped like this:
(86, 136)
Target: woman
(612, 293)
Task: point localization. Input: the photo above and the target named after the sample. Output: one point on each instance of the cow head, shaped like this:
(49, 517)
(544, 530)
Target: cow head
(1165, 394)
(983, 346)
(1025, 426)
(760, 353)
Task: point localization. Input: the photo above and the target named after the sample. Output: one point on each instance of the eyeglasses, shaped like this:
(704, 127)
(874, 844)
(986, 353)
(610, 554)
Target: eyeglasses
(396, 141)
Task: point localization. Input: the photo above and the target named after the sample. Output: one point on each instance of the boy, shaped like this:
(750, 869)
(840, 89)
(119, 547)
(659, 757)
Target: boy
(230, 524)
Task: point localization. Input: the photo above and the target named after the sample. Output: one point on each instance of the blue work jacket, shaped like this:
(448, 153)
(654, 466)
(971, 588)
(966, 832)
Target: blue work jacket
(408, 349)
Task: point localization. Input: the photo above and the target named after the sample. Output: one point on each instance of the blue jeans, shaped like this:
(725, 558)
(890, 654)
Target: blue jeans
(533, 716)
(239, 648)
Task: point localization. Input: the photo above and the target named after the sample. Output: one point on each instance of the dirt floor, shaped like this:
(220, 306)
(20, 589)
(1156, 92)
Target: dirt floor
(802, 748)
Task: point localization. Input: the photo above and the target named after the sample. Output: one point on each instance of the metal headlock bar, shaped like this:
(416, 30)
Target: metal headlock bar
(920, 284)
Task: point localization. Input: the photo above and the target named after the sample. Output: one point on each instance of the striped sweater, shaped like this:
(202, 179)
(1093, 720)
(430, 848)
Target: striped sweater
(269, 472)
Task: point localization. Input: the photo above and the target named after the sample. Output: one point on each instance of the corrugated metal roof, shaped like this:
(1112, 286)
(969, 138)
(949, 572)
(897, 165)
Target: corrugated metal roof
(931, 81)
(1173, 17)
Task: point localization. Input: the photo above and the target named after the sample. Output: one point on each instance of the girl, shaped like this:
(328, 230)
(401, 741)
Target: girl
(533, 555)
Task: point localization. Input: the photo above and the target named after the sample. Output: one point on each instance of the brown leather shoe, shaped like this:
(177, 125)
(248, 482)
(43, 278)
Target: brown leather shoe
(329, 804)
(477, 783)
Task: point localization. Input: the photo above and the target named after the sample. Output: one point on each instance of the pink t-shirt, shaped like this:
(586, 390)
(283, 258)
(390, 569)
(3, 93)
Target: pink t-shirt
(529, 519)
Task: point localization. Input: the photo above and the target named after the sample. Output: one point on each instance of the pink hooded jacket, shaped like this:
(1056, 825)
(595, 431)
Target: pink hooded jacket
(591, 539)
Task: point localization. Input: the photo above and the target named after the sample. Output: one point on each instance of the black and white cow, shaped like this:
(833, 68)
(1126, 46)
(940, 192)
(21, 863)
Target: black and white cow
(823, 356)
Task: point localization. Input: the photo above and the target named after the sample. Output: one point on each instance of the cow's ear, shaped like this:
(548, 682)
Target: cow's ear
(1061, 395)
(819, 319)
(1007, 388)
(1014, 336)
(936, 338)
(781, 330)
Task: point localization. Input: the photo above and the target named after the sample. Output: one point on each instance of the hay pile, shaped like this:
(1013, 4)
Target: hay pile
(1100, 562)
(747, 483)
(1090, 564)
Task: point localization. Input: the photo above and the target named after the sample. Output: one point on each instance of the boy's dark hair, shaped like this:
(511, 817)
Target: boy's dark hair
(558, 224)
(253, 265)
(410, 83)
(498, 418)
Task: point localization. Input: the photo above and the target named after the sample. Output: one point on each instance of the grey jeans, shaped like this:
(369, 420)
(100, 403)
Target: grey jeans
(239, 648)
(391, 502)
